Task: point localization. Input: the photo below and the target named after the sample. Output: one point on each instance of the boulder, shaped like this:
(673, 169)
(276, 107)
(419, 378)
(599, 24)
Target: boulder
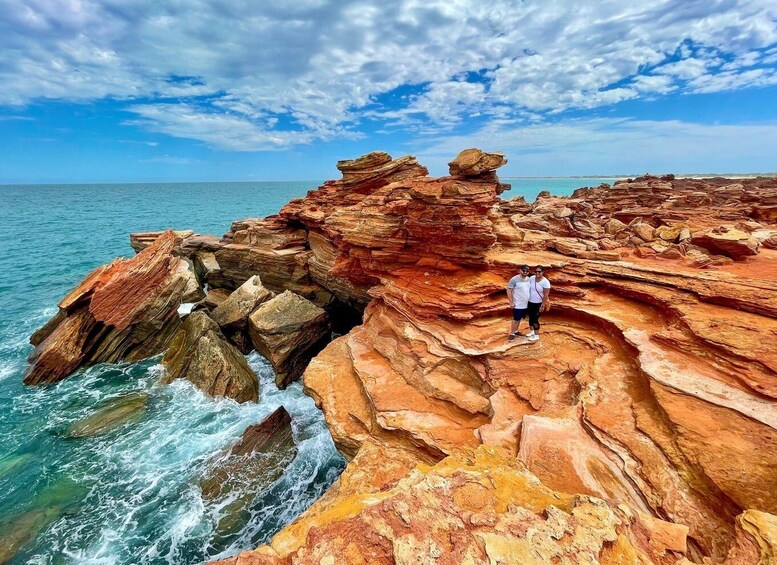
(253, 463)
(645, 232)
(474, 162)
(731, 242)
(232, 314)
(200, 353)
(614, 226)
(124, 311)
(569, 247)
(668, 233)
(288, 330)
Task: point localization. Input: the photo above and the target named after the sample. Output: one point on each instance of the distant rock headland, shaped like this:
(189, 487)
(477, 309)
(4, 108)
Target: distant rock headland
(642, 428)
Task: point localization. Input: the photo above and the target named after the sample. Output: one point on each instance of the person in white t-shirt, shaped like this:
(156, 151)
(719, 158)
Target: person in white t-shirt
(539, 301)
(518, 293)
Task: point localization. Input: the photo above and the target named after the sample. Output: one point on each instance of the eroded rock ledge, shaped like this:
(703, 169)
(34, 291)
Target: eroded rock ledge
(653, 385)
(651, 400)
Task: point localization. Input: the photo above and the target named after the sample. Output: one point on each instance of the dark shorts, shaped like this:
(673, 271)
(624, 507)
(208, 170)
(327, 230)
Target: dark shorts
(519, 314)
(534, 314)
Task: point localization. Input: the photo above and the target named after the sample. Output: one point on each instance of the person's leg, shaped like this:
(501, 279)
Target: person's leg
(515, 326)
(534, 320)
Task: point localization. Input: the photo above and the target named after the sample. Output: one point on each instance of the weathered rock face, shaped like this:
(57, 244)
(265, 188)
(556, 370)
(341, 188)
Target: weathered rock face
(288, 330)
(475, 163)
(199, 353)
(652, 388)
(473, 507)
(232, 314)
(256, 461)
(126, 310)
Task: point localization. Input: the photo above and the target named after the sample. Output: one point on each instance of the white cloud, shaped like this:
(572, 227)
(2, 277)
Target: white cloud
(613, 146)
(266, 75)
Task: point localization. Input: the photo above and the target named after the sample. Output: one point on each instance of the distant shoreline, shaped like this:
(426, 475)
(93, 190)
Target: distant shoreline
(678, 176)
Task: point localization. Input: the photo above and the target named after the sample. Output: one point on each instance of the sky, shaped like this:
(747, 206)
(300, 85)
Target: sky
(241, 90)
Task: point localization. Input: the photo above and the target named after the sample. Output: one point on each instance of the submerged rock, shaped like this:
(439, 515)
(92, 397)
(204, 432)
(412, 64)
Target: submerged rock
(110, 415)
(201, 354)
(232, 314)
(289, 330)
(255, 462)
(123, 311)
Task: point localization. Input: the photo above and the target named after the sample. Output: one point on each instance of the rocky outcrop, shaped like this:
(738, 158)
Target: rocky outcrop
(253, 463)
(123, 311)
(288, 330)
(232, 313)
(473, 507)
(649, 400)
(731, 242)
(199, 353)
(475, 163)
(655, 348)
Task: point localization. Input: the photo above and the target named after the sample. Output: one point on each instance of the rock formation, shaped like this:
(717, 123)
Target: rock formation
(288, 331)
(648, 409)
(652, 388)
(232, 313)
(254, 462)
(473, 507)
(110, 415)
(199, 353)
(123, 311)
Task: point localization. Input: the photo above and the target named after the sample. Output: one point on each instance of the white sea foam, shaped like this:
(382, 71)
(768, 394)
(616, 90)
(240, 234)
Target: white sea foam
(144, 504)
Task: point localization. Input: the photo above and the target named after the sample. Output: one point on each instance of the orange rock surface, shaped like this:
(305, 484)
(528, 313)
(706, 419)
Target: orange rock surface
(653, 388)
(125, 310)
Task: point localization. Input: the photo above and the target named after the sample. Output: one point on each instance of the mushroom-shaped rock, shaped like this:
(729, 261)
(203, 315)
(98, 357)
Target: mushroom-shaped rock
(253, 463)
(731, 242)
(123, 311)
(289, 330)
(232, 314)
(201, 354)
(474, 162)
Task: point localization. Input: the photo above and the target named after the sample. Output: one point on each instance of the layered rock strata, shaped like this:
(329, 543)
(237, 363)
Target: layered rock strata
(123, 311)
(253, 463)
(653, 385)
(201, 354)
(232, 313)
(288, 331)
(650, 398)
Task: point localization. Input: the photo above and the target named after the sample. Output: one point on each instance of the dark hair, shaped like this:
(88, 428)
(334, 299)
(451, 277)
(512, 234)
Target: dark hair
(524, 267)
(540, 267)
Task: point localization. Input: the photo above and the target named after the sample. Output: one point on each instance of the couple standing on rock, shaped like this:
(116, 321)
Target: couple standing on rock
(528, 295)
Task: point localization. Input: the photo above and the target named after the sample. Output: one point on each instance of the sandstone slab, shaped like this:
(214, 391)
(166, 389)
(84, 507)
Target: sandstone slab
(201, 354)
(288, 331)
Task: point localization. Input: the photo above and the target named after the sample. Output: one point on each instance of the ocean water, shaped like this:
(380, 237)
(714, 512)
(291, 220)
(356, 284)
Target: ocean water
(132, 495)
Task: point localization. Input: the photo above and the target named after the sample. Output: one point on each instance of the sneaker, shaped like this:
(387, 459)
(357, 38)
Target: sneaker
(533, 337)
(511, 337)
(531, 333)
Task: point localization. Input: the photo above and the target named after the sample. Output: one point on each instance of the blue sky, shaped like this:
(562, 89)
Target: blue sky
(134, 91)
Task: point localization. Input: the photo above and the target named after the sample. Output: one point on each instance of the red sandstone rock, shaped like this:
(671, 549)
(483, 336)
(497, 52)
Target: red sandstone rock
(126, 310)
(652, 387)
(201, 354)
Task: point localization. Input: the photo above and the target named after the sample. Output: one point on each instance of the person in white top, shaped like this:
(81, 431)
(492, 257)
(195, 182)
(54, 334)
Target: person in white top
(518, 290)
(539, 301)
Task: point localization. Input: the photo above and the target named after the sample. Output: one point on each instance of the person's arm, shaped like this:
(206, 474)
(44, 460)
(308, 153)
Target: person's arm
(546, 299)
(510, 296)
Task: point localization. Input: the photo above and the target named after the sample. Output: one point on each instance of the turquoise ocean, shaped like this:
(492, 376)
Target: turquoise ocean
(132, 495)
